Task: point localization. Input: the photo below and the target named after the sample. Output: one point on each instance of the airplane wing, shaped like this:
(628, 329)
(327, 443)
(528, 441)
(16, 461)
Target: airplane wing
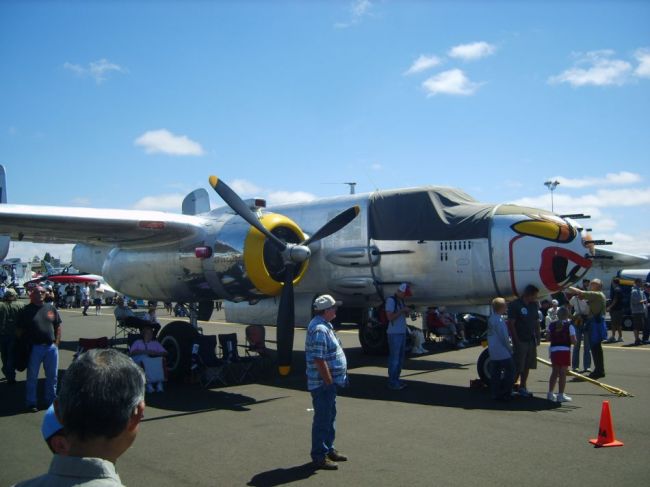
(126, 228)
(613, 258)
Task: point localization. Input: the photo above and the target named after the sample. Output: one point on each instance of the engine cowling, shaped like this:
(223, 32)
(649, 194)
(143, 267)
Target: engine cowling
(243, 265)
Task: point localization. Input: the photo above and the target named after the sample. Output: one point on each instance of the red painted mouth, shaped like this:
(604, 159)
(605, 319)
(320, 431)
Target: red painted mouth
(555, 273)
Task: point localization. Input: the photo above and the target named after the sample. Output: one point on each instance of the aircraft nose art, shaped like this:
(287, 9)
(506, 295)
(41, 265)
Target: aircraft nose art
(542, 249)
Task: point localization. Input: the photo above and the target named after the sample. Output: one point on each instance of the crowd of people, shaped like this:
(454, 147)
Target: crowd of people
(89, 427)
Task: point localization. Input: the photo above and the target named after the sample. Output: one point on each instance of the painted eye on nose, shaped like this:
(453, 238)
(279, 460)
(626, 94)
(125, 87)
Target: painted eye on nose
(552, 230)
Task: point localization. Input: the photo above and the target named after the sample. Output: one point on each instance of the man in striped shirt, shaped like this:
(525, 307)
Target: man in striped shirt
(326, 370)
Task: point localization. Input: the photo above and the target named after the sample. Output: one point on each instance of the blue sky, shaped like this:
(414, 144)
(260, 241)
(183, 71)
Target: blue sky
(132, 105)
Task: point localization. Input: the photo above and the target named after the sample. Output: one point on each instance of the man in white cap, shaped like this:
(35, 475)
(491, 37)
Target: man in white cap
(326, 370)
(396, 312)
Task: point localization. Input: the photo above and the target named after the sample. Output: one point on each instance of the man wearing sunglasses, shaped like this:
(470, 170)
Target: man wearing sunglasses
(41, 324)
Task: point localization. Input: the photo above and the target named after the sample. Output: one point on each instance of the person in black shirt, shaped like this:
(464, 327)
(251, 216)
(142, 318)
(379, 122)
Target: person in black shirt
(615, 310)
(41, 324)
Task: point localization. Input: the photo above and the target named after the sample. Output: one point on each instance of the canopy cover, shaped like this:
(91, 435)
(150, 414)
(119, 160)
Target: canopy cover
(432, 213)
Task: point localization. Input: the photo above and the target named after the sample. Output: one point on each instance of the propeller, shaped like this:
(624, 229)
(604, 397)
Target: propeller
(292, 255)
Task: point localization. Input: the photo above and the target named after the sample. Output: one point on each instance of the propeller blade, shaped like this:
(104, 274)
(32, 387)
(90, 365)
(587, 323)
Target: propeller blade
(334, 225)
(285, 322)
(233, 200)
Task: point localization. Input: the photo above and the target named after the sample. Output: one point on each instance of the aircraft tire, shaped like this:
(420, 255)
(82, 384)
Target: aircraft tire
(373, 339)
(483, 366)
(177, 337)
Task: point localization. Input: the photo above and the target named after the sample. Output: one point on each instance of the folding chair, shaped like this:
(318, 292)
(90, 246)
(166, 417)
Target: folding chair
(256, 349)
(211, 369)
(86, 344)
(238, 367)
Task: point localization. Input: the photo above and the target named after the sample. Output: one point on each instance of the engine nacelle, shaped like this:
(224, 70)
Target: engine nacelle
(89, 258)
(243, 265)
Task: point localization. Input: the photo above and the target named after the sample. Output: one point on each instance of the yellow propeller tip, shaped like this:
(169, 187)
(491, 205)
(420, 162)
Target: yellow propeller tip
(284, 370)
(213, 181)
(357, 209)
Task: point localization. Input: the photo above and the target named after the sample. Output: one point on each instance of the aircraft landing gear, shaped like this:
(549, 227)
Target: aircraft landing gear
(483, 366)
(372, 336)
(177, 337)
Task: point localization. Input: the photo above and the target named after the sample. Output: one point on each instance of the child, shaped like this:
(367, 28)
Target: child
(143, 351)
(502, 366)
(562, 335)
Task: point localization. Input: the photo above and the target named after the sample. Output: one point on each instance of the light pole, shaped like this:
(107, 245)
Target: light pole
(551, 185)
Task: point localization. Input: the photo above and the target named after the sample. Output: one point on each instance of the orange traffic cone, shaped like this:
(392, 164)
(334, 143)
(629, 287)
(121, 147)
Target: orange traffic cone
(606, 435)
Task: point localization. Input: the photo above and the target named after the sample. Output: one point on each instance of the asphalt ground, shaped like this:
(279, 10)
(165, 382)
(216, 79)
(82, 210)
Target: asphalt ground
(436, 431)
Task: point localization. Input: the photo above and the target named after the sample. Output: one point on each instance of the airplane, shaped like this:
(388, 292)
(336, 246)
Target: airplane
(69, 275)
(270, 264)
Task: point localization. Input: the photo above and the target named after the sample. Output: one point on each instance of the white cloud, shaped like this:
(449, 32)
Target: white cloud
(596, 68)
(423, 63)
(98, 70)
(643, 56)
(591, 204)
(452, 82)
(472, 51)
(248, 189)
(172, 201)
(80, 201)
(358, 10)
(164, 142)
(241, 186)
(617, 179)
(288, 197)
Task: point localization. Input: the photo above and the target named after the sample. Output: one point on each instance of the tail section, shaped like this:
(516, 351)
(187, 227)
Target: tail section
(4, 239)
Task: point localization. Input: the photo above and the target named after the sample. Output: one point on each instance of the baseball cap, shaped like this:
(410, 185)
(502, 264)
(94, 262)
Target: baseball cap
(405, 288)
(555, 302)
(51, 425)
(11, 292)
(325, 302)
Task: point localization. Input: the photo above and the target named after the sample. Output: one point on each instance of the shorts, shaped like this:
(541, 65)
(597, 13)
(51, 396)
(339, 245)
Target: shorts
(525, 355)
(637, 321)
(616, 317)
(97, 301)
(561, 357)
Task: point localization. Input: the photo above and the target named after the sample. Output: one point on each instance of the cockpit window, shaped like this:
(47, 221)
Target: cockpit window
(433, 214)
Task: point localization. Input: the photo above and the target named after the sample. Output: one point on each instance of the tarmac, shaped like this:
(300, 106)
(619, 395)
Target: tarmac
(437, 431)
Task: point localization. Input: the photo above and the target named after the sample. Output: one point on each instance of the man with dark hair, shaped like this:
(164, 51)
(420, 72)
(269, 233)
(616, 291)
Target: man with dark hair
(41, 324)
(100, 405)
(326, 370)
(9, 311)
(637, 309)
(524, 327)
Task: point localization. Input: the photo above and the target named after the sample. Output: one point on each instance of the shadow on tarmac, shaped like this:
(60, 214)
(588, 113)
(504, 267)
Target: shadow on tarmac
(281, 476)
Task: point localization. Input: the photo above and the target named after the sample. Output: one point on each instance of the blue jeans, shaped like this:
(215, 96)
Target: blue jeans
(323, 428)
(48, 355)
(7, 354)
(502, 377)
(582, 334)
(396, 353)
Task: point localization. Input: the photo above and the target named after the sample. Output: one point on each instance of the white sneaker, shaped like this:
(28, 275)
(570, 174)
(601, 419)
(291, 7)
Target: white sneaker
(563, 398)
(551, 397)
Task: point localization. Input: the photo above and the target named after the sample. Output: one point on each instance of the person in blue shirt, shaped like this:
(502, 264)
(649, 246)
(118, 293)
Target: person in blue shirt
(396, 312)
(326, 370)
(502, 365)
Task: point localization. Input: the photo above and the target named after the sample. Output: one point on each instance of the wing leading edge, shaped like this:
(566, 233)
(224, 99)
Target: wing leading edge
(126, 228)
